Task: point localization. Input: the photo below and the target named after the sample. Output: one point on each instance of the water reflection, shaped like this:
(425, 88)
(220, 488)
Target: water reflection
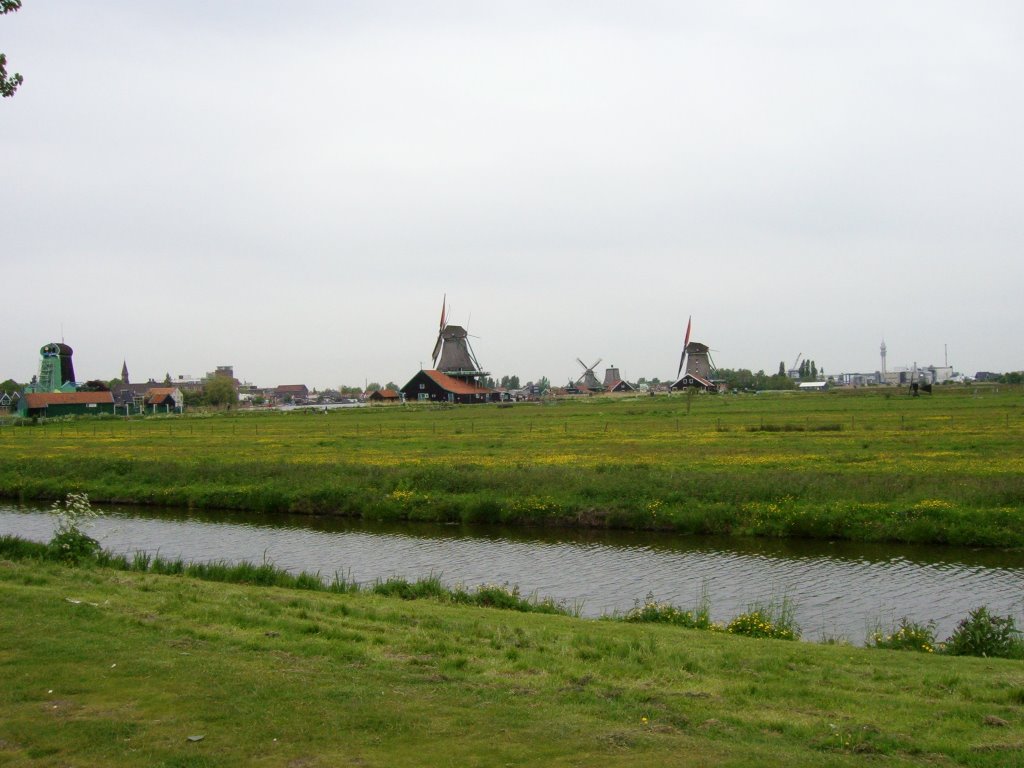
(840, 589)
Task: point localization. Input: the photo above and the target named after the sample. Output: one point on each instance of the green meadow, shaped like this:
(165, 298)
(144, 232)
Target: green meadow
(869, 465)
(110, 667)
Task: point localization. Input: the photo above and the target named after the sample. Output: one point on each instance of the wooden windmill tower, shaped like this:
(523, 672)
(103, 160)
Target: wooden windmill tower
(453, 354)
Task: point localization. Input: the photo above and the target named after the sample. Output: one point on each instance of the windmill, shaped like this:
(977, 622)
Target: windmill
(695, 363)
(453, 354)
(589, 378)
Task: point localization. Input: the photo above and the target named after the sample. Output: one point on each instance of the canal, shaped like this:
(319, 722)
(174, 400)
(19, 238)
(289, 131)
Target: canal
(841, 590)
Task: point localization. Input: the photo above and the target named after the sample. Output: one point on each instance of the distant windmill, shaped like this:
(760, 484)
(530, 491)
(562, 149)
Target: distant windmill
(589, 378)
(453, 353)
(695, 363)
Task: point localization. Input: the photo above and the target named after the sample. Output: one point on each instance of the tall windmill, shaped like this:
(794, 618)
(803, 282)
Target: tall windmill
(589, 378)
(453, 354)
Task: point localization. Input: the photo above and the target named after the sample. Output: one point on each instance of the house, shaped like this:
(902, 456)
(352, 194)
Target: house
(813, 386)
(65, 403)
(434, 386)
(619, 386)
(291, 393)
(164, 400)
(384, 396)
(695, 380)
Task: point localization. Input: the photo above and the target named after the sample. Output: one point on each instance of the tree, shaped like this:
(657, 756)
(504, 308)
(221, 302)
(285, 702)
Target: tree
(544, 384)
(192, 397)
(814, 371)
(220, 390)
(373, 386)
(782, 368)
(8, 85)
(743, 378)
(391, 385)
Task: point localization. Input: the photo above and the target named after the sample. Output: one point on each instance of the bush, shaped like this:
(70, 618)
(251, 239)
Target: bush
(73, 546)
(665, 613)
(775, 620)
(70, 543)
(907, 636)
(983, 634)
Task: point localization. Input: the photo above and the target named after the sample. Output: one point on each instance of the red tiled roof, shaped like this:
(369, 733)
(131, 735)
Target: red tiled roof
(457, 386)
(390, 393)
(154, 391)
(284, 388)
(43, 399)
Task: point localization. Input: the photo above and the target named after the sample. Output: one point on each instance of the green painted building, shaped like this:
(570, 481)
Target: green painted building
(53, 404)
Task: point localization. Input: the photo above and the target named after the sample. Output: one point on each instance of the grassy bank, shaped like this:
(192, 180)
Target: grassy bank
(105, 667)
(869, 466)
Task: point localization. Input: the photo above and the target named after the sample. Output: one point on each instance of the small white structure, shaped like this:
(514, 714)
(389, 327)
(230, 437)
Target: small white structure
(812, 386)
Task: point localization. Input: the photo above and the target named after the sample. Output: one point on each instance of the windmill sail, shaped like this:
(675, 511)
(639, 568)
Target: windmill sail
(437, 349)
(686, 342)
(440, 330)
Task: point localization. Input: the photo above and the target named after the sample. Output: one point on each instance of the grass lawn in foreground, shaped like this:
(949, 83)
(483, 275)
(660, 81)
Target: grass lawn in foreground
(104, 667)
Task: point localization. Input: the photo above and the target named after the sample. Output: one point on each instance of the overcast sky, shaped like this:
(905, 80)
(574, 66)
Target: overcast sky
(291, 188)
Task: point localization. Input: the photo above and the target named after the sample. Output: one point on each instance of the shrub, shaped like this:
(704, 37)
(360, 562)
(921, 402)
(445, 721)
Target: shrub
(775, 619)
(665, 613)
(984, 634)
(764, 622)
(70, 543)
(907, 636)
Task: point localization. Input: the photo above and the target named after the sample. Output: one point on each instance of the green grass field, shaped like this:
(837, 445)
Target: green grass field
(106, 667)
(864, 465)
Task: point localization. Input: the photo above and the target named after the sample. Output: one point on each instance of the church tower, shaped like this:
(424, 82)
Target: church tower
(124, 373)
(883, 357)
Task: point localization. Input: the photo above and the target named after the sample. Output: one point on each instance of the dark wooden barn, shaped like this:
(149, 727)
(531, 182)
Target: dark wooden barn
(66, 403)
(434, 386)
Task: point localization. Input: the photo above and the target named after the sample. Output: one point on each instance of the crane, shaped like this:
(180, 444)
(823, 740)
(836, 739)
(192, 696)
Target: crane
(794, 372)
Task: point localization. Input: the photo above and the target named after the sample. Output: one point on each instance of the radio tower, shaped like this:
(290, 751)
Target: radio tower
(883, 357)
